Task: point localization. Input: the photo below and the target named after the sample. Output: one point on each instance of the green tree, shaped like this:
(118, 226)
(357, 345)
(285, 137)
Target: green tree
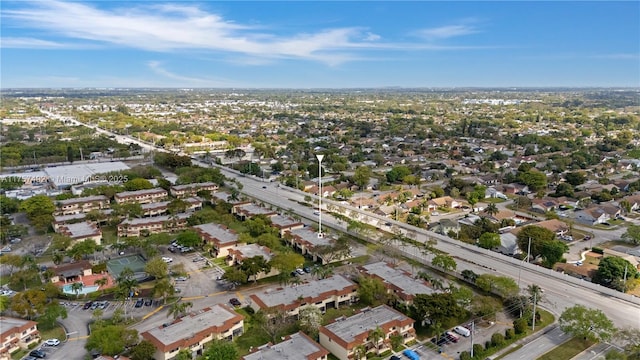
(157, 267)
(538, 235)
(39, 209)
(144, 350)
(629, 338)
(371, 291)
(221, 350)
(582, 322)
(29, 303)
(552, 252)
(575, 178)
(111, 339)
(4, 304)
(436, 308)
(491, 209)
(189, 238)
(310, 320)
(138, 184)
(611, 272)
(632, 234)
(51, 313)
(376, 335)
(445, 262)
(255, 265)
(286, 262)
(504, 286)
(179, 309)
(362, 175)
(489, 240)
(237, 276)
(163, 288)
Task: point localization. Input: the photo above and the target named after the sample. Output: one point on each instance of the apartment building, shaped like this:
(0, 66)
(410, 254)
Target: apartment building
(293, 347)
(152, 225)
(285, 223)
(162, 207)
(248, 210)
(81, 231)
(398, 282)
(59, 220)
(331, 292)
(345, 336)
(240, 252)
(188, 190)
(221, 237)
(307, 241)
(16, 334)
(193, 332)
(141, 196)
(81, 205)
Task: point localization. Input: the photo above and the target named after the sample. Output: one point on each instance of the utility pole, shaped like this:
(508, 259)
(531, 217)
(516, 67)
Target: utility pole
(473, 328)
(522, 264)
(624, 280)
(320, 157)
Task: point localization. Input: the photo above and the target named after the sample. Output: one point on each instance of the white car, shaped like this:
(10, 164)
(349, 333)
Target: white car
(52, 342)
(167, 259)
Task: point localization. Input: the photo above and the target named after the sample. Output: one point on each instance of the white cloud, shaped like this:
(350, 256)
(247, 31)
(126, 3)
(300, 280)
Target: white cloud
(156, 67)
(185, 27)
(446, 32)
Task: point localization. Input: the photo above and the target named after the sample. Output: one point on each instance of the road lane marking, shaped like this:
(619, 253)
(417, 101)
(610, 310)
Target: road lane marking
(153, 312)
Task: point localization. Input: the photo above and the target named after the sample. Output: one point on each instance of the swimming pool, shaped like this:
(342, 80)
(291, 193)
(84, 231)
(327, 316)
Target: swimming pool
(67, 289)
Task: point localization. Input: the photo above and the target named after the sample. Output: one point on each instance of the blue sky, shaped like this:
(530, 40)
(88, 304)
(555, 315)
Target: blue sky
(310, 44)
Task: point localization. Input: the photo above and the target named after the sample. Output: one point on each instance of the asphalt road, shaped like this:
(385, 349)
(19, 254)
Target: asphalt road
(539, 346)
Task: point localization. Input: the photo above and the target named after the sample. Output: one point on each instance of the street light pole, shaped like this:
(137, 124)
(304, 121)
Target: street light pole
(320, 157)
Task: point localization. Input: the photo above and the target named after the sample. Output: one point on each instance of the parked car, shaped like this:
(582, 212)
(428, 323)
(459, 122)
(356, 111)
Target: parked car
(87, 305)
(462, 331)
(452, 337)
(167, 259)
(181, 278)
(307, 270)
(52, 342)
(148, 302)
(235, 302)
(300, 271)
(139, 303)
(38, 354)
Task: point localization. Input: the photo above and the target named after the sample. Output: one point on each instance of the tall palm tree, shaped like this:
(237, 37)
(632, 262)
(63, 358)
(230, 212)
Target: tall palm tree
(163, 288)
(491, 209)
(57, 258)
(535, 293)
(76, 287)
(179, 309)
(359, 352)
(376, 335)
(438, 329)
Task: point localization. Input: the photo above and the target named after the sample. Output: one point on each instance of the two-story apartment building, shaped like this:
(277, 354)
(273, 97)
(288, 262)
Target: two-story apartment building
(162, 207)
(331, 292)
(398, 282)
(59, 220)
(152, 225)
(187, 190)
(16, 334)
(219, 236)
(81, 231)
(194, 331)
(293, 347)
(307, 241)
(285, 223)
(240, 252)
(81, 205)
(344, 336)
(247, 210)
(141, 196)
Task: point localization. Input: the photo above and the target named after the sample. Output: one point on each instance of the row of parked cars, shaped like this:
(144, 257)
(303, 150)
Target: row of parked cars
(175, 247)
(93, 305)
(451, 336)
(141, 302)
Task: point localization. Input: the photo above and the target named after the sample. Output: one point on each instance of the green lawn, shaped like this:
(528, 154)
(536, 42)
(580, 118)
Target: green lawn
(567, 350)
(55, 333)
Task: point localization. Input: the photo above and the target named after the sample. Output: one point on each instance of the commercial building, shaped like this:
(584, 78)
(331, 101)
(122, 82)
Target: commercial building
(331, 292)
(64, 176)
(194, 331)
(294, 347)
(16, 334)
(344, 336)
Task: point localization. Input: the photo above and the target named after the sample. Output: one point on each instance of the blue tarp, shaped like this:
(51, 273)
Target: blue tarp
(411, 354)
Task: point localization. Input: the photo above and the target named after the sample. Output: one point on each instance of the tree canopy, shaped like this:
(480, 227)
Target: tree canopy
(591, 324)
(538, 235)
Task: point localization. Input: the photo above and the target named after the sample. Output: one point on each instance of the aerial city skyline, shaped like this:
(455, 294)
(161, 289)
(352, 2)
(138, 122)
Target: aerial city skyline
(319, 44)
